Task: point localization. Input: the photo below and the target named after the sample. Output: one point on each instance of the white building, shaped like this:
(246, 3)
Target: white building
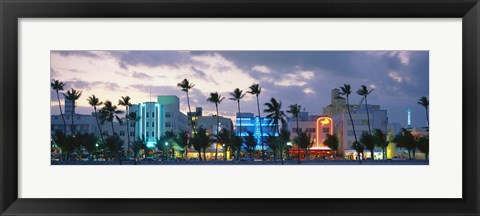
(156, 118)
(338, 111)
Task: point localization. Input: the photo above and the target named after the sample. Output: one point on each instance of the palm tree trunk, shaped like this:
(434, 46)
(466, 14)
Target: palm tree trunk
(372, 154)
(73, 114)
(204, 154)
(190, 110)
(128, 134)
(368, 116)
(224, 153)
(351, 119)
(426, 111)
(216, 144)
(100, 130)
(261, 130)
(240, 134)
(61, 113)
(200, 154)
(384, 152)
(281, 153)
(113, 130)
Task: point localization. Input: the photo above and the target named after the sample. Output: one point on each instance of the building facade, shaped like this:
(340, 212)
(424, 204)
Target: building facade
(261, 127)
(342, 125)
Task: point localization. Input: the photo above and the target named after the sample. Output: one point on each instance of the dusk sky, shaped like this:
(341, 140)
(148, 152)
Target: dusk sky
(399, 78)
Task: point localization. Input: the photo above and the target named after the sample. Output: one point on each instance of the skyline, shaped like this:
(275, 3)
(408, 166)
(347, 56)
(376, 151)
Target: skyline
(399, 78)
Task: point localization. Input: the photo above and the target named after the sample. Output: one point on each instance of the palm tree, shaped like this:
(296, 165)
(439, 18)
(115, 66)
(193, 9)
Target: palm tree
(332, 142)
(255, 89)
(136, 146)
(58, 86)
(185, 85)
(73, 95)
(368, 143)
(274, 108)
(134, 118)
(125, 101)
(363, 91)
(347, 90)
(216, 99)
(61, 140)
(422, 145)
(303, 140)
(380, 140)
(201, 141)
(182, 140)
(284, 138)
(295, 110)
(224, 138)
(250, 143)
(94, 102)
(276, 114)
(236, 143)
(115, 144)
(359, 149)
(424, 102)
(88, 141)
(273, 144)
(406, 140)
(110, 112)
(237, 95)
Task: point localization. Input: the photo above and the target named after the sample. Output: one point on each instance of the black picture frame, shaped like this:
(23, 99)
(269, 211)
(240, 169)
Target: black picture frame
(12, 10)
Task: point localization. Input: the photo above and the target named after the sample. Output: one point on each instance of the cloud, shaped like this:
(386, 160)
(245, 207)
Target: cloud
(261, 69)
(77, 84)
(303, 77)
(308, 91)
(140, 75)
(126, 59)
(106, 85)
(395, 76)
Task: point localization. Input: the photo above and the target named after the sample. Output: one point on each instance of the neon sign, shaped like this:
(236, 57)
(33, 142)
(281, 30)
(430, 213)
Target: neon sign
(323, 122)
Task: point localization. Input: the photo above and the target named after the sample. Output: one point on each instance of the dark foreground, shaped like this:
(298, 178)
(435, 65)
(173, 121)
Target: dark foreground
(310, 162)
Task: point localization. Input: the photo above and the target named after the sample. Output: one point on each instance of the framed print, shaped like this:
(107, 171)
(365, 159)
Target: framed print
(252, 107)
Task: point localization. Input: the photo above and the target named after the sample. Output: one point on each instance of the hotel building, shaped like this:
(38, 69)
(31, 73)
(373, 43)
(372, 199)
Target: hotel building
(342, 126)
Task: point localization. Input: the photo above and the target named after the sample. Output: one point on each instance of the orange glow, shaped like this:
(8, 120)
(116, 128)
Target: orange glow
(323, 122)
